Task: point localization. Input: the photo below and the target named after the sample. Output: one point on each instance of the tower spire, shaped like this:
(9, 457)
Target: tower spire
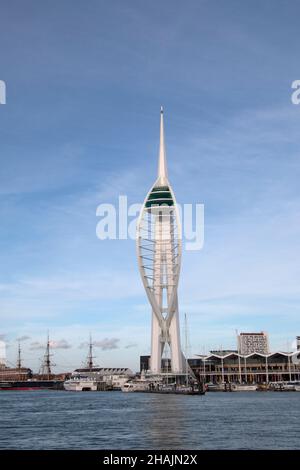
(162, 162)
(159, 223)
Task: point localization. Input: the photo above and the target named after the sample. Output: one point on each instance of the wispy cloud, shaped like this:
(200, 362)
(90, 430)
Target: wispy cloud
(23, 338)
(107, 344)
(60, 344)
(232, 142)
(36, 345)
(131, 345)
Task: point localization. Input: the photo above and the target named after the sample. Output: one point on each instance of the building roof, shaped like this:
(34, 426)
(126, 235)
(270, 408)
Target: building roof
(261, 333)
(107, 370)
(225, 356)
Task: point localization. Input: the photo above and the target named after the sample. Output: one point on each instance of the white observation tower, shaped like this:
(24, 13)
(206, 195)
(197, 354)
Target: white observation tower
(159, 258)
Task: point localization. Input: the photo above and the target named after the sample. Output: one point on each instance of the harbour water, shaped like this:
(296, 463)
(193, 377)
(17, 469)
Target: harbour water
(116, 420)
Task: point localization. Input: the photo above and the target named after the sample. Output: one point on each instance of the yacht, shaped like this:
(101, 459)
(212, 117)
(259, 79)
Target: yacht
(135, 386)
(293, 386)
(215, 387)
(140, 384)
(79, 383)
(243, 387)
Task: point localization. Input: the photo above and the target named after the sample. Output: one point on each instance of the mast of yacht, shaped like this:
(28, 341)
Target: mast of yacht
(222, 365)
(186, 349)
(239, 357)
(19, 360)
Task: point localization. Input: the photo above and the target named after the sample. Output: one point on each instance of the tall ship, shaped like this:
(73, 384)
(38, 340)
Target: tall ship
(22, 378)
(92, 378)
(31, 384)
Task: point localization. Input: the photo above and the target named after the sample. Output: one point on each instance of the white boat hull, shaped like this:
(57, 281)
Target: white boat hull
(80, 386)
(243, 388)
(134, 387)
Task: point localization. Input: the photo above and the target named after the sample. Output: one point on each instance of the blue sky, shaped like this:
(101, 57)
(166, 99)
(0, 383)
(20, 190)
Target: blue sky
(85, 81)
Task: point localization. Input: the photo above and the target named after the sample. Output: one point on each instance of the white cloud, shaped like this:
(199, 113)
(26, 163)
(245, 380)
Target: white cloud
(107, 344)
(36, 345)
(131, 345)
(60, 344)
(23, 338)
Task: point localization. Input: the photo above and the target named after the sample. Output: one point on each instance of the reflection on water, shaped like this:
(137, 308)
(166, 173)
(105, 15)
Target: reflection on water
(166, 415)
(116, 420)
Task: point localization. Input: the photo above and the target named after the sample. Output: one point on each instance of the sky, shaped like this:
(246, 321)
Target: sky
(84, 86)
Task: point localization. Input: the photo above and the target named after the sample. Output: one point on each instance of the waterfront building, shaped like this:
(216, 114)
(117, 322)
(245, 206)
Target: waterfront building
(166, 365)
(251, 368)
(159, 259)
(249, 343)
(144, 363)
(223, 352)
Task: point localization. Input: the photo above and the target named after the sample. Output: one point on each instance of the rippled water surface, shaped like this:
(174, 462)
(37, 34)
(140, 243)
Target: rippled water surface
(116, 420)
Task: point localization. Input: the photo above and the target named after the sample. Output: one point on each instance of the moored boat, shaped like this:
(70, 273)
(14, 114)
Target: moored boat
(80, 384)
(212, 387)
(243, 387)
(31, 385)
(293, 386)
(161, 388)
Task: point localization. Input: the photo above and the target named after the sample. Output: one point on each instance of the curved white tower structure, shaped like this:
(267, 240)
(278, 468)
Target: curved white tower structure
(159, 258)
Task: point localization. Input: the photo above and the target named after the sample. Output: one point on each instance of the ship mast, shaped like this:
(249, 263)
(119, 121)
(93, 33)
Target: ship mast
(19, 360)
(46, 365)
(90, 357)
(239, 356)
(186, 350)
